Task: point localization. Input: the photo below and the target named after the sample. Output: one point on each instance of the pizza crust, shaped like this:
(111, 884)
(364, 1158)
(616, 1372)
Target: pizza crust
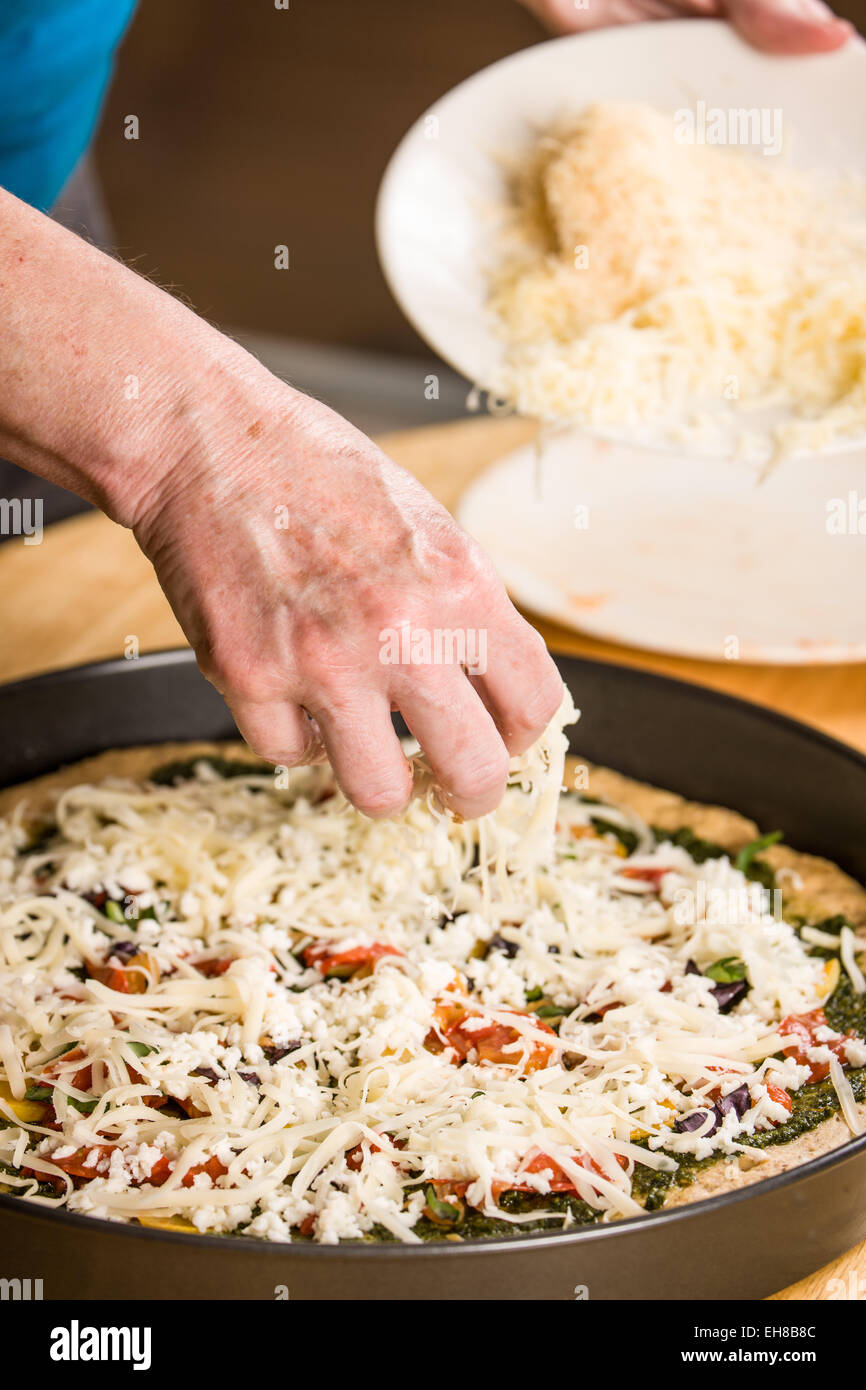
(132, 764)
(825, 890)
(729, 1175)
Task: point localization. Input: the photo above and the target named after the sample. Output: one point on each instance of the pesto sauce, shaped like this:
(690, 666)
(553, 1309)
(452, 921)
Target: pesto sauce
(810, 1106)
(814, 1103)
(846, 1010)
(627, 838)
(476, 1226)
(183, 770)
(697, 849)
(757, 870)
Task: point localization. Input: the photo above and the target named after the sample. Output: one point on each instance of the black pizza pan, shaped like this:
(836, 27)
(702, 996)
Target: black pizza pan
(741, 1245)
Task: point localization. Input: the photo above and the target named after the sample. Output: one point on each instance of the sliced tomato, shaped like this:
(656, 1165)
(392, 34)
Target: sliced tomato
(152, 1102)
(163, 1168)
(91, 1162)
(82, 1079)
(651, 874)
(355, 1156)
(81, 1166)
(213, 968)
(133, 978)
(336, 964)
(159, 1172)
(497, 1042)
(446, 1016)
(192, 1110)
(606, 1008)
(213, 1167)
(802, 1028)
(539, 1163)
(559, 1180)
(780, 1096)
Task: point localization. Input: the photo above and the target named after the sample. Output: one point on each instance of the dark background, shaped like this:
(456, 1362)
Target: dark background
(261, 126)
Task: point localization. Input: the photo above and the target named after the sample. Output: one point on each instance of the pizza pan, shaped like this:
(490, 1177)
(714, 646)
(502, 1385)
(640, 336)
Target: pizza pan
(740, 1245)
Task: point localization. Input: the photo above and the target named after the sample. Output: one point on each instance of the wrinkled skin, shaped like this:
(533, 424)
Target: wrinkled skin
(288, 618)
(775, 26)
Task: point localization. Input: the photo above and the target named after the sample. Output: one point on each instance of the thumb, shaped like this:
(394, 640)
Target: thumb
(789, 26)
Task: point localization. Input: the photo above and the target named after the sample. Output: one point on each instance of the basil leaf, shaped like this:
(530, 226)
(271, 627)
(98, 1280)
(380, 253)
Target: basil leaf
(744, 859)
(442, 1211)
(627, 838)
(697, 849)
(727, 970)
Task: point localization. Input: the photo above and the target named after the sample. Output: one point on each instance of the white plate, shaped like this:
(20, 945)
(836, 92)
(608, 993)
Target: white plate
(685, 556)
(434, 217)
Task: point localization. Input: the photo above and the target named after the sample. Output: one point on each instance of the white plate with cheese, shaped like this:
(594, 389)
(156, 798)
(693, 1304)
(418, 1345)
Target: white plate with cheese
(446, 191)
(685, 550)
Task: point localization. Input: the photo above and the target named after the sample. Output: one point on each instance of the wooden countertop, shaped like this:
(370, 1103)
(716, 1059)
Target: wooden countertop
(87, 589)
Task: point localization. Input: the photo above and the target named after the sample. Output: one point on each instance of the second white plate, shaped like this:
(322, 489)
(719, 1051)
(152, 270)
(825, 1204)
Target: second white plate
(678, 554)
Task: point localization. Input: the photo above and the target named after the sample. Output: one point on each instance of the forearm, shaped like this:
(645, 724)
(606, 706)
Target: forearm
(105, 380)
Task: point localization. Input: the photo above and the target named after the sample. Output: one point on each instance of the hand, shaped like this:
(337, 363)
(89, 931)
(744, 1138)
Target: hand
(293, 552)
(290, 548)
(776, 26)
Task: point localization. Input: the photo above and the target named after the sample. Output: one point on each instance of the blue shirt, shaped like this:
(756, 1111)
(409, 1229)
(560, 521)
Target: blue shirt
(55, 63)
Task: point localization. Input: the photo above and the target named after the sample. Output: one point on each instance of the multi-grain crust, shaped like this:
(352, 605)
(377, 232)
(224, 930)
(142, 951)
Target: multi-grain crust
(812, 887)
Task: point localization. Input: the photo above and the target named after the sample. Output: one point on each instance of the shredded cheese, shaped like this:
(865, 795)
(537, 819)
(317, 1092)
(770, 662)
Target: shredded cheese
(846, 955)
(250, 1008)
(847, 1101)
(639, 279)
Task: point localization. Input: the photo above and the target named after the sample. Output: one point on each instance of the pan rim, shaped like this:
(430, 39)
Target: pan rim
(429, 1249)
(13, 1206)
(184, 656)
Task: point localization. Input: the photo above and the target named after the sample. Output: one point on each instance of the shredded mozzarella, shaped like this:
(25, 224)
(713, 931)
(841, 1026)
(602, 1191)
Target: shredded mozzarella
(188, 982)
(848, 959)
(847, 1101)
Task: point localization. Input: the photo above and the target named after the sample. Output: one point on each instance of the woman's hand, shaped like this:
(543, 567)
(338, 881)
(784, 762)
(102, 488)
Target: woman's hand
(305, 566)
(308, 571)
(776, 26)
